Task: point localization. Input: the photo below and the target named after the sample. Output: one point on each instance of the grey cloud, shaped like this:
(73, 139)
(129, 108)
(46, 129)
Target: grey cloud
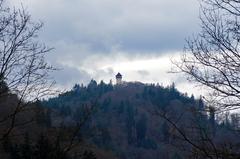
(81, 29)
(134, 26)
(68, 76)
(143, 73)
(103, 73)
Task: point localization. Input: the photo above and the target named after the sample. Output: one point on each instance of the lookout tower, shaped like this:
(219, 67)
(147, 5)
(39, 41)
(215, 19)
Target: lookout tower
(118, 78)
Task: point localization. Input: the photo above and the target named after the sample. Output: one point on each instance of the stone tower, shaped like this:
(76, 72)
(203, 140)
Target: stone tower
(118, 78)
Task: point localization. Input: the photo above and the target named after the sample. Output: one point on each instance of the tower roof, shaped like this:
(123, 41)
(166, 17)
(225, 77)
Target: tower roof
(119, 75)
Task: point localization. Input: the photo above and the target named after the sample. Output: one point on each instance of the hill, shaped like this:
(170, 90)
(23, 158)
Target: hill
(125, 121)
(124, 118)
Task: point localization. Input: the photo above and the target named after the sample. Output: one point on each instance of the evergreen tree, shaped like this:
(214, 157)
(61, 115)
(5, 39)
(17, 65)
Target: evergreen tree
(92, 88)
(43, 148)
(39, 114)
(14, 152)
(201, 104)
(76, 88)
(130, 123)
(48, 119)
(106, 103)
(106, 137)
(141, 128)
(176, 156)
(212, 120)
(89, 155)
(121, 108)
(7, 144)
(26, 149)
(165, 132)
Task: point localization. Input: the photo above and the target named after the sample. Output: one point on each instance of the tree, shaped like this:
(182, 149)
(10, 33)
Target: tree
(26, 148)
(212, 59)
(88, 155)
(23, 70)
(212, 56)
(212, 119)
(141, 128)
(200, 104)
(176, 156)
(130, 122)
(235, 121)
(166, 132)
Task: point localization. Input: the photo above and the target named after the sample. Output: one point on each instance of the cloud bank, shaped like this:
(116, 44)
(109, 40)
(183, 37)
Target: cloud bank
(98, 38)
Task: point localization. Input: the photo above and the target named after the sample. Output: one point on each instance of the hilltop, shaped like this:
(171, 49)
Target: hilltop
(124, 119)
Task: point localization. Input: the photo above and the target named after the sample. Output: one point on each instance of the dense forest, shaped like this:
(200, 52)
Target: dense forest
(128, 121)
(131, 119)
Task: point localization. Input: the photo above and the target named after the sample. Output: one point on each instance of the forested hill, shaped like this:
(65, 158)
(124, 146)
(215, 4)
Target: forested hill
(127, 121)
(124, 119)
(108, 94)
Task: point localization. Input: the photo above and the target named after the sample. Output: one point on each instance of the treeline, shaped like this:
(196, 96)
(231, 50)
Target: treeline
(133, 118)
(127, 120)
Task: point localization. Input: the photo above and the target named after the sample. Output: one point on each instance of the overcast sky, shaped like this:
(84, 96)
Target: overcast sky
(98, 38)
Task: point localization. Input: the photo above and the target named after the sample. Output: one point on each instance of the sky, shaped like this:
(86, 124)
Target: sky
(96, 39)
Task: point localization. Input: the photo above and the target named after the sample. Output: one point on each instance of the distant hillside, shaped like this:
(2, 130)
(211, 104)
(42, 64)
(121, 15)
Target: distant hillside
(124, 119)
